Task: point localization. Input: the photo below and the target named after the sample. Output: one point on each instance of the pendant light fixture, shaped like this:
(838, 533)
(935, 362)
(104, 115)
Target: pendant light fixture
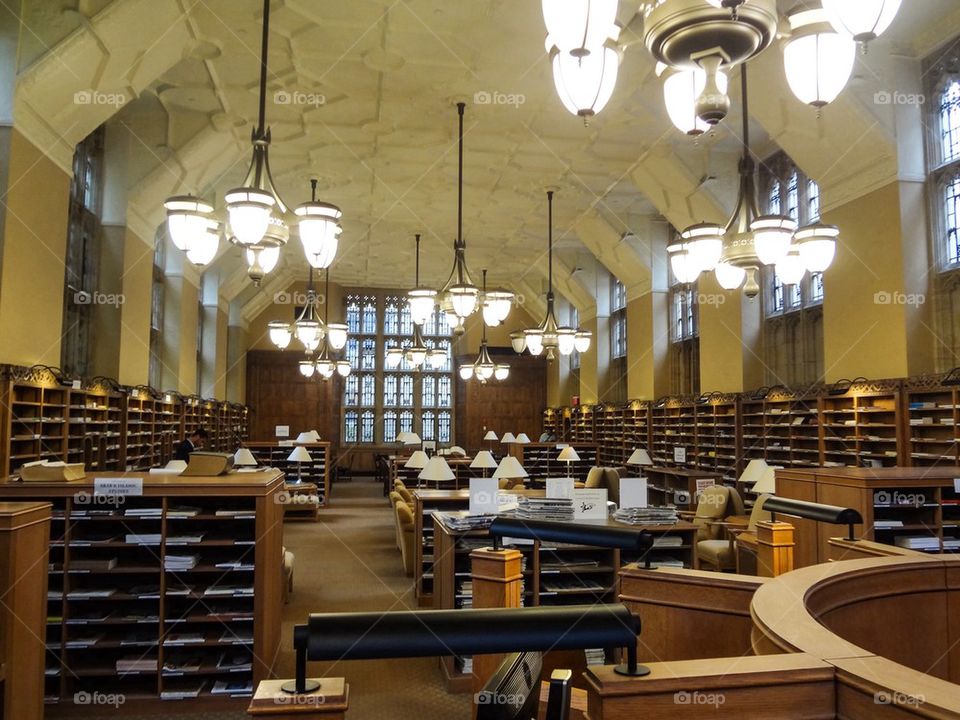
(324, 365)
(484, 368)
(257, 215)
(459, 296)
(420, 305)
(750, 240)
(308, 328)
(862, 20)
(817, 59)
(549, 335)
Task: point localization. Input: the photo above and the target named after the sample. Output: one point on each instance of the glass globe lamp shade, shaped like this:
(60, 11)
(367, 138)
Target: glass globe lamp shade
(265, 257)
(416, 355)
(337, 335)
(323, 259)
(818, 245)
(791, 268)
(817, 60)
(421, 302)
(586, 84)
(730, 277)
(249, 211)
(501, 372)
(280, 334)
(437, 358)
(306, 368)
(318, 225)
(502, 302)
(684, 269)
(453, 321)
(704, 245)
(188, 218)
(343, 368)
(534, 340)
(463, 300)
(681, 88)
(308, 332)
(863, 20)
(393, 357)
(772, 235)
(566, 340)
(466, 372)
(490, 315)
(582, 341)
(204, 248)
(579, 25)
(518, 341)
(485, 371)
(325, 367)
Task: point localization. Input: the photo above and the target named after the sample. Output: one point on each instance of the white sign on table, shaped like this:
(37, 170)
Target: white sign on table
(118, 487)
(483, 496)
(560, 487)
(590, 504)
(633, 492)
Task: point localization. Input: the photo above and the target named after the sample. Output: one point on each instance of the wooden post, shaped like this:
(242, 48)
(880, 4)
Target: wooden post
(328, 702)
(774, 548)
(24, 557)
(497, 583)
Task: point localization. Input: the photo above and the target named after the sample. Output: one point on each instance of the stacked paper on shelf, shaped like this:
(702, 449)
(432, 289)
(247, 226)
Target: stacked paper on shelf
(545, 508)
(93, 565)
(595, 656)
(183, 512)
(180, 562)
(145, 512)
(647, 516)
(460, 521)
(143, 538)
(231, 590)
(183, 693)
(233, 688)
(917, 542)
(136, 664)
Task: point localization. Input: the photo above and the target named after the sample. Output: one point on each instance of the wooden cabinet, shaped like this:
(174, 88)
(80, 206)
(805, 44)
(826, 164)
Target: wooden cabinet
(540, 460)
(162, 594)
(677, 486)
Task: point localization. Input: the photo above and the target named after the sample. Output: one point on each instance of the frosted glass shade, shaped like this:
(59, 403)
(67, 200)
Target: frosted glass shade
(534, 341)
(791, 269)
(337, 335)
(729, 276)
(518, 341)
(466, 372)
(682, 264)
(577, 24)
(818, 245)
(280, 334)
(510, 469)
(393, 357)
(585, 84)
(421, 302)
(299, 454)
(319, 228)
(582, 340)
(501, 372)
(817, 60)
(772, 235)
(417, 461)
(306, 368)
(204, 249)
(681, 88)
(483, 460)
(463, 300)
(704, 245)
(187, 219)
(566, 340)
(863, 20)
(568, 454)
(249, 212)
(436, 469)
(344, 368)
(639, 457)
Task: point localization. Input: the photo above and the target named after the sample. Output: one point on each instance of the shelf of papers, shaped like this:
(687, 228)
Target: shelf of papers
(540, 460)
(317, 471)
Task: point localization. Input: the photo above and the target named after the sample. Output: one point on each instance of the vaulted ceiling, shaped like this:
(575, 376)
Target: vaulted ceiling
(362, 97)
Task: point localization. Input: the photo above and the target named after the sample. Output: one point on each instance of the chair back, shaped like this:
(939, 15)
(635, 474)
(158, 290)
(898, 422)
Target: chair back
(711, 507)
(735, 504)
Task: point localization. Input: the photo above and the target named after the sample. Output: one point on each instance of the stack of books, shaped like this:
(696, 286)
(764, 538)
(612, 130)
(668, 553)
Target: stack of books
(143, 538)
(90, 565)
(647, 516)
(180, 562)
(462, 520)
(233, 688)
(182, 512)
(917, 542)
(144, 512)
(187, 692)
(136, 664)
(536, 508)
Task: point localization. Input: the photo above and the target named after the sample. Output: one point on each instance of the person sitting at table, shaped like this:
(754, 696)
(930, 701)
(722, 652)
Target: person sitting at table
(196, 441)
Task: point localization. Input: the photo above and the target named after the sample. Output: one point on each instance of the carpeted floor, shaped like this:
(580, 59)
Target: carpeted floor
(348, 562)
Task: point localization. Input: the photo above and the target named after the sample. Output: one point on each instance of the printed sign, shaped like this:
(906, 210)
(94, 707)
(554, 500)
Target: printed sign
(633, 492)
(703, 484)
(679, 454)
(118, 487)
(590, 504)
(283, 431)
(483, 495)
(559, 487)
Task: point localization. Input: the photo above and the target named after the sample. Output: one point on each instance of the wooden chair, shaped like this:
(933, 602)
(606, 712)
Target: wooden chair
(721, 554)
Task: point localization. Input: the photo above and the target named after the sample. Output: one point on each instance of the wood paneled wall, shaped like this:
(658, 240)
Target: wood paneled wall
(279, 395)
(515, 404)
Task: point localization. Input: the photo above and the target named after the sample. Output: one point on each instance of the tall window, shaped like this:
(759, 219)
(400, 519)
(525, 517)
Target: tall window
(618, 343)
(83, 253)
(684, 338)
(156, 314)
(943, 186)
(793, 329)
(574, 356)
(407, 400)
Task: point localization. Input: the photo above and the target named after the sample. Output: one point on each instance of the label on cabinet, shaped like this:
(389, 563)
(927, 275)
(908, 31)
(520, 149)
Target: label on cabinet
(118, 487)
(679, 454)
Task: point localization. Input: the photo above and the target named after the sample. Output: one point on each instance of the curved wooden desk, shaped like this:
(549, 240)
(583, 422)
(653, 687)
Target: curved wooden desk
(890, 627)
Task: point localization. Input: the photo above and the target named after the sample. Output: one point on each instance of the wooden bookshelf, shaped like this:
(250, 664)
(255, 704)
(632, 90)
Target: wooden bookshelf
(673, 427)
(316, 472)
(551, 422)
(610, 436)
(115, 593)
(35, 418)
(716, 435)
(540, 460)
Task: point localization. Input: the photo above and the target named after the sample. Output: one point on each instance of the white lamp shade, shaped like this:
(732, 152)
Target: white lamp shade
(510, 469)
(319, 231)
(639, 457)
(579, 24)
(204, 248)
(466, 372)
(436, 469)
(394, 356)
(187, 220)
(491, 435)
(344, 368)
(265, 257)
(585, 84)
(299, 454)
(306, 368)
(684, 267)
(766, 484)
(304, 437)
(508, 438)
(337, 335)
(863, 20)
(463, 300)
(421, 302)
(519, 342)
(771, 237)
(818, 245)
(791, 269)
(817, 60)
(408, 438)
(753, 471)
(729, 276)
(417, 461)
(483, 460)
(501, 372)
(280, 334)
(568, 454)
(243, 456)
(249, 212)
(522, 439)
(566, 340)
(681, 88)
(491, 315)
(704, 245)
(582, 341)
(534, 341)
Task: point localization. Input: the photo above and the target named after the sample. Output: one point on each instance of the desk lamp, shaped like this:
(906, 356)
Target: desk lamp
(640, 457)
(244, 458)
(568, 455)
(522, 439)
(299, 456)
(483, 460)
(510, 469)
(437, 470)
(508, 438)
(491, 437)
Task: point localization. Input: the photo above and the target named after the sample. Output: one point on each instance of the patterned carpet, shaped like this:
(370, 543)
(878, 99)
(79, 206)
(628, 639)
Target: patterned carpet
(346, 562)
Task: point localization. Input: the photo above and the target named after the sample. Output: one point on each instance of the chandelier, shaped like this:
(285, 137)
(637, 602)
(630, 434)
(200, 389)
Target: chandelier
(484, 368)
(550, 335)
(736, 251)
(420, 304)
(334, 338)
(308, 328)
(697, 42)
(256, 213)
